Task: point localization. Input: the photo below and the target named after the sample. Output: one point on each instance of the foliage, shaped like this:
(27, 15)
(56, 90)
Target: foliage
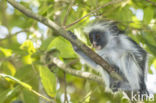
(24, 74)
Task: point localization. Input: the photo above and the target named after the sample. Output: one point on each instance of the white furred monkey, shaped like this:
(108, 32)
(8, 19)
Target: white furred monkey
(127, 58)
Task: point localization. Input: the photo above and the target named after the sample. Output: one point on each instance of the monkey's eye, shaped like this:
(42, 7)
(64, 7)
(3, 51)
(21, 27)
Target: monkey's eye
(91, 38)
(97, 36)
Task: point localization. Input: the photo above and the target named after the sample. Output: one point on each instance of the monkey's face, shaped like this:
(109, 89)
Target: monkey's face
(98, 39)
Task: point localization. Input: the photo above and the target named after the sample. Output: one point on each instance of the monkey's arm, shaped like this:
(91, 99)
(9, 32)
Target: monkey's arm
(91, 63)
(131, 70)
(96, 67)
(81, 54)
(87, 59)
(109, 82)
(140, 58)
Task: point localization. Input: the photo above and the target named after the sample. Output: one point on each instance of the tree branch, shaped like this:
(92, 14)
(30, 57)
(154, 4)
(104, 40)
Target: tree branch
(65, 89)
(74, 72)
(99, 60)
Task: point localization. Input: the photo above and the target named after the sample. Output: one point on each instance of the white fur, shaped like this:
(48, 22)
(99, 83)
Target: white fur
(118, 51)
(114, 53)
(104, 26)
(146, 68)
(105, 77)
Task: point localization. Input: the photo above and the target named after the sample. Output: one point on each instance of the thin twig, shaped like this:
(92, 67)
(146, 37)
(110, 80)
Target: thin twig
(65, 89)
(153, 3)
(28, 87)
(67, 13)
(93, 11)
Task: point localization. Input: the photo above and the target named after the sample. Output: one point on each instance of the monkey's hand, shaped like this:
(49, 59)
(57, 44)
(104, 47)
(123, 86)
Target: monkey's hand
(115, 85)
(74, 38)
(72, 35)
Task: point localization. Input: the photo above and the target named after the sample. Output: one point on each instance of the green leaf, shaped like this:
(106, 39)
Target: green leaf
(3, 95)
(148, 14)
(48, 80)
(121, 13)
(13, 93)
(28, 46)
(124, 100)
(28, 59)
(6, 52)
(64, 46)
(154, 63)
(80, 35)
(135, 23)
(12, 68)
(29, 97)
(45, 43)
(8, 68)
(92, 3)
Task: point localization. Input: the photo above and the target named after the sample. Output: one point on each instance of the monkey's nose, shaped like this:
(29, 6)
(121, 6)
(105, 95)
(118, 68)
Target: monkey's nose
(94, 43)
(96, 46)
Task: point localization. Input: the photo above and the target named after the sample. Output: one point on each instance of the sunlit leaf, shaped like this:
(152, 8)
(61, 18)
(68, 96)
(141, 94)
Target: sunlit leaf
(11, 68)
(148, 14)
(8, 68)
(6, 52)
(3, 95)
(45, 43)
(16, 80)
(63, 46)
(80, 35)
(121, 13)
(11, 95)
(28, 46)
(28, 59)
(135, 23)
(29, 97)
(48, 80)
(154, 63)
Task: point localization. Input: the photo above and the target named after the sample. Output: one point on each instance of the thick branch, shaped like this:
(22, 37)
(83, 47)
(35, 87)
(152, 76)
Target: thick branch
(78, 73)
(63, 33)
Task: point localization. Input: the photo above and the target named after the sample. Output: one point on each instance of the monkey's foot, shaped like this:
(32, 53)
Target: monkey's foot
(115, 86)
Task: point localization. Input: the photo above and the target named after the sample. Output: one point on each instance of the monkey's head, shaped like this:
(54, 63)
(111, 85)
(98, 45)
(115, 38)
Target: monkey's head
(98, 39)
(101, 32)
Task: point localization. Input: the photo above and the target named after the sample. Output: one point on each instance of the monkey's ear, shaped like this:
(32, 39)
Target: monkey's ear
(114, 29)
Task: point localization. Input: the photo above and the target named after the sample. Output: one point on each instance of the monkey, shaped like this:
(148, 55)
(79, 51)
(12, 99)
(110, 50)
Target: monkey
(121, 52)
